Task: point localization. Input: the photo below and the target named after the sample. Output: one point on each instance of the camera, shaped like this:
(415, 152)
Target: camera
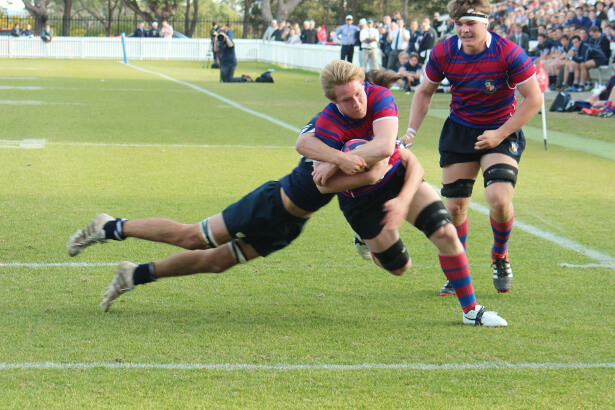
(220, 37)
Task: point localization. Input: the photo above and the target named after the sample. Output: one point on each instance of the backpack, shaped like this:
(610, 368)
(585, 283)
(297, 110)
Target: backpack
(562, 103)
(264, 78)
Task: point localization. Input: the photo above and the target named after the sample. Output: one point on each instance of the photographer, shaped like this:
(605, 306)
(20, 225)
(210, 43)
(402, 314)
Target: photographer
(225, 49)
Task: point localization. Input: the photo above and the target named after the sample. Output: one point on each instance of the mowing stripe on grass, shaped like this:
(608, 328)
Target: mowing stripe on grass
(221, 98)
(54, 264)
(18, 78)
(18, 87)
(304, 367)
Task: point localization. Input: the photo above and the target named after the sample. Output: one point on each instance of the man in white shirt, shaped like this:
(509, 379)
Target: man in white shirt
(399, 42)
(369, 37)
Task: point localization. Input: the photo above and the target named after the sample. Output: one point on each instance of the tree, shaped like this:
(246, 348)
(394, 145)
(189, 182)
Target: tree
(39, 10)
(190, 23)
(151, 10)
(102, 12)
(285, 9)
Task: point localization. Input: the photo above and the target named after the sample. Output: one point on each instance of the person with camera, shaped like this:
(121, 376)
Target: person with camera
(224, 47)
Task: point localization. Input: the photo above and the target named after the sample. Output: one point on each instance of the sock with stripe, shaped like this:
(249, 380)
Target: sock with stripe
(462, 232)
(457, 271)
(501, 235)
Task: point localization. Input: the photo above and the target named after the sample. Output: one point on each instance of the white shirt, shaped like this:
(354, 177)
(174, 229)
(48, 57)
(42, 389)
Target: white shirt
(399, 43)
(366, 33)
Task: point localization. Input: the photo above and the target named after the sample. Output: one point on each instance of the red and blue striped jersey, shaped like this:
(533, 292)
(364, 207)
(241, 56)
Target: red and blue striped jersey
(335, 129)
(482, 85)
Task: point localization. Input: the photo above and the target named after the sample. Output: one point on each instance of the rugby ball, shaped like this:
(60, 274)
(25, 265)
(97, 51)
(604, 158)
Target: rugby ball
(352, 144)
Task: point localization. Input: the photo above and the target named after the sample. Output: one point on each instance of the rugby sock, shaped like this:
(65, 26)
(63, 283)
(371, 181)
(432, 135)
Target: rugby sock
(143, 274)
(462, 232)
(114, 229)
(501, 235)
(457, 272)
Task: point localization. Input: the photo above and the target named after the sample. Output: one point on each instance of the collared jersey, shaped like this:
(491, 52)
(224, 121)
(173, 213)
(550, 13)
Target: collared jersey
(335, 129)
(482, 85)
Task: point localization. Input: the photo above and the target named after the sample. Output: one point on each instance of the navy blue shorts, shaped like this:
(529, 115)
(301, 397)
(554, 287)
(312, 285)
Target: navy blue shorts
(365, 213)
(457, 144)
(260, 219)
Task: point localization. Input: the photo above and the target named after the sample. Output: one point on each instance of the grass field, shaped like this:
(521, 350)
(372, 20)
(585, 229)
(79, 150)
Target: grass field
(312, 326)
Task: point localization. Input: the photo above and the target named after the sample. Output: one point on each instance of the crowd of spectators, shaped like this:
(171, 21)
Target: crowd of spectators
(570, 37)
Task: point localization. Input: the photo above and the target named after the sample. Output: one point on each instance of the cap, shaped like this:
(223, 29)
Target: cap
(370, 20)
(362, 22)
(349, 17)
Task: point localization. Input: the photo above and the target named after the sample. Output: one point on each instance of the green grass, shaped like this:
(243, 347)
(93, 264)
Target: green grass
(315, 303)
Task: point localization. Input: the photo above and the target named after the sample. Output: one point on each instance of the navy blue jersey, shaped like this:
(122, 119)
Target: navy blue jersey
(301, 189)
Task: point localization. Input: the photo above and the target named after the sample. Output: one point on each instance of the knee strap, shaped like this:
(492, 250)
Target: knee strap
(207, 235)
(395, 257)
(432, 217)
(462, 188)
(500, 173)
(237, 252)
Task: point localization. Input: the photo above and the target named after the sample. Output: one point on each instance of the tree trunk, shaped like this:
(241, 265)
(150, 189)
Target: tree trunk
(286, 8)
(39, 10)
(247, 5)
(66, 17)
(266, 10)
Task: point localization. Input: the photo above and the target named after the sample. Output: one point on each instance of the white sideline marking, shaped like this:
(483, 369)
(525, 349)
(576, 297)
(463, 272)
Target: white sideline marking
(223, 99)
(282, 366)
(18, 87)
(55, 264)
(35, 102)
(25, 143)
(17, 78)
(101, 144)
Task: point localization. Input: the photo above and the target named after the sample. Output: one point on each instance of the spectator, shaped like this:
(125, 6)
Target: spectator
(557, 59)
(357, 41)
(369, 43)
(438, 25)
(166, 31)
(308, 35)
(410, 70)
(294, 37)
(346, 34)
(415, 33)
(322, 35)
(154, 32)
(427, 40)
(46, 34)
(16, 31)
(28, 31)
(580, 19)
(140, 31)
(593, 19)
(541, 48)
(520, 38)
(583, 52)
(281, 32)
(313, 33)
(269, 33)
(399, 38)
(384, 44)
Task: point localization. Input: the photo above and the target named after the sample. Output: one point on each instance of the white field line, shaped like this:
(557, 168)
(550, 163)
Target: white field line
(18, 78)
(54, 264)
(305, 367)
(96, 144)
(35, 102)
(20, 87)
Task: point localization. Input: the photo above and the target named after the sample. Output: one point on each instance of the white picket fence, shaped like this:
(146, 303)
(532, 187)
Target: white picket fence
(309, 57)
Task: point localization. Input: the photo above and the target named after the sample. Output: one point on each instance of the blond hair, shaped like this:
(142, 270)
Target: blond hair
(382, 77)
(459, 8)
(339, 72)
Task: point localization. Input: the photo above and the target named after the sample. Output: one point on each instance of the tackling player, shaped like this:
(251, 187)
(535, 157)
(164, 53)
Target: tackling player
(360, 110)
(483, 131)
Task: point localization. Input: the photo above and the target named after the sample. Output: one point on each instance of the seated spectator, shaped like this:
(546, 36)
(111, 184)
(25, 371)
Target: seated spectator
(557, 59)
(541, 49)
(28, 31)
(16, 31)
(583, 52)
(410, 70)
(46, 34)
(603, 104)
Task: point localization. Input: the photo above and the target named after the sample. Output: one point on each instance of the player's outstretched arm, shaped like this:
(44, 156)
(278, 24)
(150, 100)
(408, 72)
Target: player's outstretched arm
(396, 209)
(382, 145)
